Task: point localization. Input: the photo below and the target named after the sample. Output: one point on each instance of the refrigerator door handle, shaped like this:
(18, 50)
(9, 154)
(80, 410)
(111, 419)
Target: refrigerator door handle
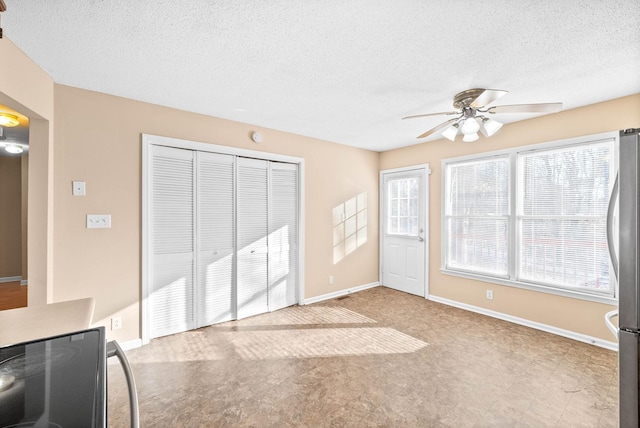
(610, 243)
(610, 325)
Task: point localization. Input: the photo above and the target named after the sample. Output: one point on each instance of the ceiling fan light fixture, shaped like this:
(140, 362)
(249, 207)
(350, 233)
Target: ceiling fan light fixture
(468, 138)
(490, 127)
(471, 106)
(7, 119)
(470, 126)
(451, 132)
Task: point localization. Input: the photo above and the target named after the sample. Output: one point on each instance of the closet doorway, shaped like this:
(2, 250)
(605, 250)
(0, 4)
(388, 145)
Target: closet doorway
(222, 234)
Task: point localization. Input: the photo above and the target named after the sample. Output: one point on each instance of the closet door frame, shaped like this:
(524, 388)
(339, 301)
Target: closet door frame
(149, 140)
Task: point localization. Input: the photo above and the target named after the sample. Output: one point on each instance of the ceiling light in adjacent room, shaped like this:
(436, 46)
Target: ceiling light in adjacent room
(13, 148)
(7, 119)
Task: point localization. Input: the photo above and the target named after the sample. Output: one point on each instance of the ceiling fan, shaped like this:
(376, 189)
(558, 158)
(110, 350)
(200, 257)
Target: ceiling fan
(472, 111)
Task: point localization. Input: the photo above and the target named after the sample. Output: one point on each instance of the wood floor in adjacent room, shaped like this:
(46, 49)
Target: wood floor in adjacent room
(379, 358)
(12, 295)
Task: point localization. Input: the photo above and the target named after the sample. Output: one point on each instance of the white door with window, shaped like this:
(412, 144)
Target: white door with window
(404, 229)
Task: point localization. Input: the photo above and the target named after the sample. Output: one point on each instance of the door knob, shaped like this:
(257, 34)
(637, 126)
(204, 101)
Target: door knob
(420, 239)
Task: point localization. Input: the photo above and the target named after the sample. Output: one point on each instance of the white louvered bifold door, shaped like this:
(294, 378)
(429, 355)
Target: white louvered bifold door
(283, 235)
(252, 229)
(215, 238)
(171, 298)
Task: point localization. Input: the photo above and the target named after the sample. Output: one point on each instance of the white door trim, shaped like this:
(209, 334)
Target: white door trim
(147, 141)
(382, 211)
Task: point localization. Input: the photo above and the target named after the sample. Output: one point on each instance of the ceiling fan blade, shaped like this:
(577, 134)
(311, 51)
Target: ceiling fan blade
(432, 114)
(439, 127)
(487, 97)
(527, 108)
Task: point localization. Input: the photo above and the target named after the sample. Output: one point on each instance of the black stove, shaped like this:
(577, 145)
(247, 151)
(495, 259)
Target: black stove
(56, 382)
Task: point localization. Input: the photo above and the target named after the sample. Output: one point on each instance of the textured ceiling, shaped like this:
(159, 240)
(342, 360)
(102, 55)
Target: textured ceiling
(342, 71)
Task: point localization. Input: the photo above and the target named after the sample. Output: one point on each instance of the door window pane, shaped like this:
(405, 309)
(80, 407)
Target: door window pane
(402, 207)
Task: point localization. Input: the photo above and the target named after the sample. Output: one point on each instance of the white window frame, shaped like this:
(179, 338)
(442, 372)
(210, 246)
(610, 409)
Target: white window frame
(513, 243)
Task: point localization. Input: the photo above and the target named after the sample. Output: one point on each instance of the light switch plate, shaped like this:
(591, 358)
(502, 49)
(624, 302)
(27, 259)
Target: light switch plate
(98, 221)
(79, 188)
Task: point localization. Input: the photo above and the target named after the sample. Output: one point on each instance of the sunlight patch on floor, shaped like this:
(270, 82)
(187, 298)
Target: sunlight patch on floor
(321, 342)
(303, 315)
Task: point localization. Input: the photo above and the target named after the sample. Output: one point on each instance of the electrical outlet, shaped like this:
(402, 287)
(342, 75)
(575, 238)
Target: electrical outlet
(490, 294)
(330, 279)
(116, 323)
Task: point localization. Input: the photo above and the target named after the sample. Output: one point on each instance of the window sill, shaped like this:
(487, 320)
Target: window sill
(607, 300)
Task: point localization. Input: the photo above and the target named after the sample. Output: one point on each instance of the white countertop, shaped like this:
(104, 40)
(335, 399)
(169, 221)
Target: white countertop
(35, 322)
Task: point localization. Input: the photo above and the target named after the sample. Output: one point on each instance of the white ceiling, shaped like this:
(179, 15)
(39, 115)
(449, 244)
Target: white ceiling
(338, 70)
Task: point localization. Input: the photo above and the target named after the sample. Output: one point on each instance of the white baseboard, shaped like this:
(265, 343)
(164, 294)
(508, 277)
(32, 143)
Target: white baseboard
(130, 344)
(340, 293)
(10, 279)
(613, 346)
(24, 282)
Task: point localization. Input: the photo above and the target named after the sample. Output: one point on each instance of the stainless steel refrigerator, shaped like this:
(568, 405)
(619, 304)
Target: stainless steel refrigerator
(627, 266)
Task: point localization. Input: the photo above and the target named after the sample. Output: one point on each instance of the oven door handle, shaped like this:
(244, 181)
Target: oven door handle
(114, 349)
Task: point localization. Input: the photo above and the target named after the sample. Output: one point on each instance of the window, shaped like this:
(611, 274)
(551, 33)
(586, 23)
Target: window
(403, 207)
(477, 216)
(562, 216)
(533, 217)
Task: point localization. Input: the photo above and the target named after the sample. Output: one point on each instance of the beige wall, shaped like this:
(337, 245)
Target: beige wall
(98, 140)
(26, 88)
(10, 216)
(566, 313)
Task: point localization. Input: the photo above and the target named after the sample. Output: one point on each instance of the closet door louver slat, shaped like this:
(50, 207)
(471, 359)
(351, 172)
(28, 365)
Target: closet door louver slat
(252, 224)
(283, 235)
(172, 220)
(216, 236)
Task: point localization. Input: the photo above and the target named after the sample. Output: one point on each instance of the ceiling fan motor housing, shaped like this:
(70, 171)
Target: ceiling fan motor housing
(465, 98)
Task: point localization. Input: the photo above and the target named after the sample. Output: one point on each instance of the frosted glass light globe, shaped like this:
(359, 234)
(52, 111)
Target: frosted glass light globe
(470, 126)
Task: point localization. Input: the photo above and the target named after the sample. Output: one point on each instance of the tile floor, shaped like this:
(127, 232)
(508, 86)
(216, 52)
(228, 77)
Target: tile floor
(379, 358)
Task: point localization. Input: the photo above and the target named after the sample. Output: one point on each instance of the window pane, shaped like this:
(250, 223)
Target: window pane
(413, 207)
(413, 226)
(568, 253)
(478, 245)
(568, 181)
(403, 209)
(413, 187)
(403, 191)
(393, 228)
(393, 189)
(478, 188)
(571, 185)
(394, 207)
